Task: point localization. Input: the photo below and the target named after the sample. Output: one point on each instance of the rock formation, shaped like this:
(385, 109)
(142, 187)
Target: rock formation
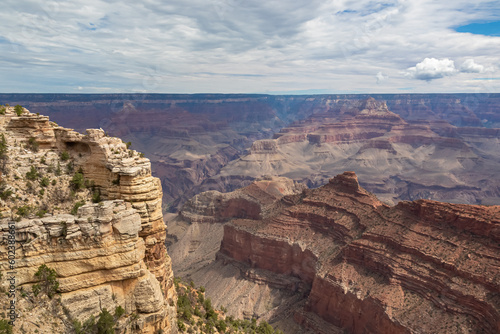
(366, 267)
(195, 234)
(105, 254)
(396, 159)
(190, 138)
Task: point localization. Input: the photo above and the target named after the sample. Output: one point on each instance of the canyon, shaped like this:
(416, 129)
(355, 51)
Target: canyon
(104, 239)
(376, 256)
(195, 141)
(336, 259)
(396, 159)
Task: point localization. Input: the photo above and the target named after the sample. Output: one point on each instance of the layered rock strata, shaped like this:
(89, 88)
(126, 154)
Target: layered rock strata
(189, 138)
(108, 254)
(417, 267)
(196, 232)
(395, 158)
(195, 236)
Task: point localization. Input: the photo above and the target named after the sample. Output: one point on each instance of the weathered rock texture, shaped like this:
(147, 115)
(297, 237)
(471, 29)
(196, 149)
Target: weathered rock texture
(417, 267)
(195, 234)
(109, 254)
(396, 159)
(190, 138)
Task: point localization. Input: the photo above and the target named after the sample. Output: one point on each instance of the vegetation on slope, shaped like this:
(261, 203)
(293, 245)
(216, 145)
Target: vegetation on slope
(195, 314)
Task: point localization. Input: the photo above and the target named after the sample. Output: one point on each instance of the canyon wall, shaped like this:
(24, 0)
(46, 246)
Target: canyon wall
(106, 254)
(396, 159)
(190, 138)
(418, 267)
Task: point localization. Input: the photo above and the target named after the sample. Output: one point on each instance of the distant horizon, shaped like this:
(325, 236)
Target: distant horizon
(259, 94)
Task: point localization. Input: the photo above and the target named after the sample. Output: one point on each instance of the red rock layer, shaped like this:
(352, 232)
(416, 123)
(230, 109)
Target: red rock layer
(418, 267)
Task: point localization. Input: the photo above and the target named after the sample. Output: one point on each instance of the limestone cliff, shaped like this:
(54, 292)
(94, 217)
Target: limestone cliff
(106, 254)
(418, 267)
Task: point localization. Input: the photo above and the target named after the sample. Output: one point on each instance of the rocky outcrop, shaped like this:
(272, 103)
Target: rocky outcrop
(107, 254)
(418, 267)
(254, 201)
(195, 236)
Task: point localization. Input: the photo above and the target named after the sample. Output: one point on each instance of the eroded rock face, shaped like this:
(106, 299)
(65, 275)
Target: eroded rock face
(190, 138)
(108, 254)
(397, 159)
(423, 266)
(196, 232)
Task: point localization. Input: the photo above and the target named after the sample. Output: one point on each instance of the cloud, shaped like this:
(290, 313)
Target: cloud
(237, 46)
(381, 77)
(432, 68)
(469, 66)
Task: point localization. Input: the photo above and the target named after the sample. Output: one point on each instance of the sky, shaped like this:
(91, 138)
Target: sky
(249, 46)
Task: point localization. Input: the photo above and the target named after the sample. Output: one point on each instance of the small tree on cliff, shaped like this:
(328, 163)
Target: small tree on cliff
(47, 281)
(105, 323)
(19, 110)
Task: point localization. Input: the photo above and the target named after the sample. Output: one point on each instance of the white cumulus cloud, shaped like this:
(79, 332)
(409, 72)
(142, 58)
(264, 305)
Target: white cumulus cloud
(432, 68)
(469, 66)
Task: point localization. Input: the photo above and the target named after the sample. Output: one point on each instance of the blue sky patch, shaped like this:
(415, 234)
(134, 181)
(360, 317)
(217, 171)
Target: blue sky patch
(491, 28)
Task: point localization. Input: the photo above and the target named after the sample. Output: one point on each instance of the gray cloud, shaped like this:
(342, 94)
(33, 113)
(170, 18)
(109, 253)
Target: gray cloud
(249, 46)
(381, 77)
(469, 66)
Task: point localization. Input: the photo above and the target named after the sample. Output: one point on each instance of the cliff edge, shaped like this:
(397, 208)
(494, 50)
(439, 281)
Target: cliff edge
(87, 207)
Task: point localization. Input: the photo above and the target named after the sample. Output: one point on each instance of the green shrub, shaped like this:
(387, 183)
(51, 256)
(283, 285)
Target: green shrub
(87, 327)
(44, 182)
(197, 312)
(58, 169)
(77, 182)
(5, 193)
(74, 211)
(119, 311)
(105, 323)
(64, 156)
(32, 174)
(96, 196)
(3, 145)
(23, 211)
(40, 213)
(221, 326)
(33, 144)
(2, 111)
(18, 110)
(5, 327)
(70, 167)
(181, 326)
(47, 281)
